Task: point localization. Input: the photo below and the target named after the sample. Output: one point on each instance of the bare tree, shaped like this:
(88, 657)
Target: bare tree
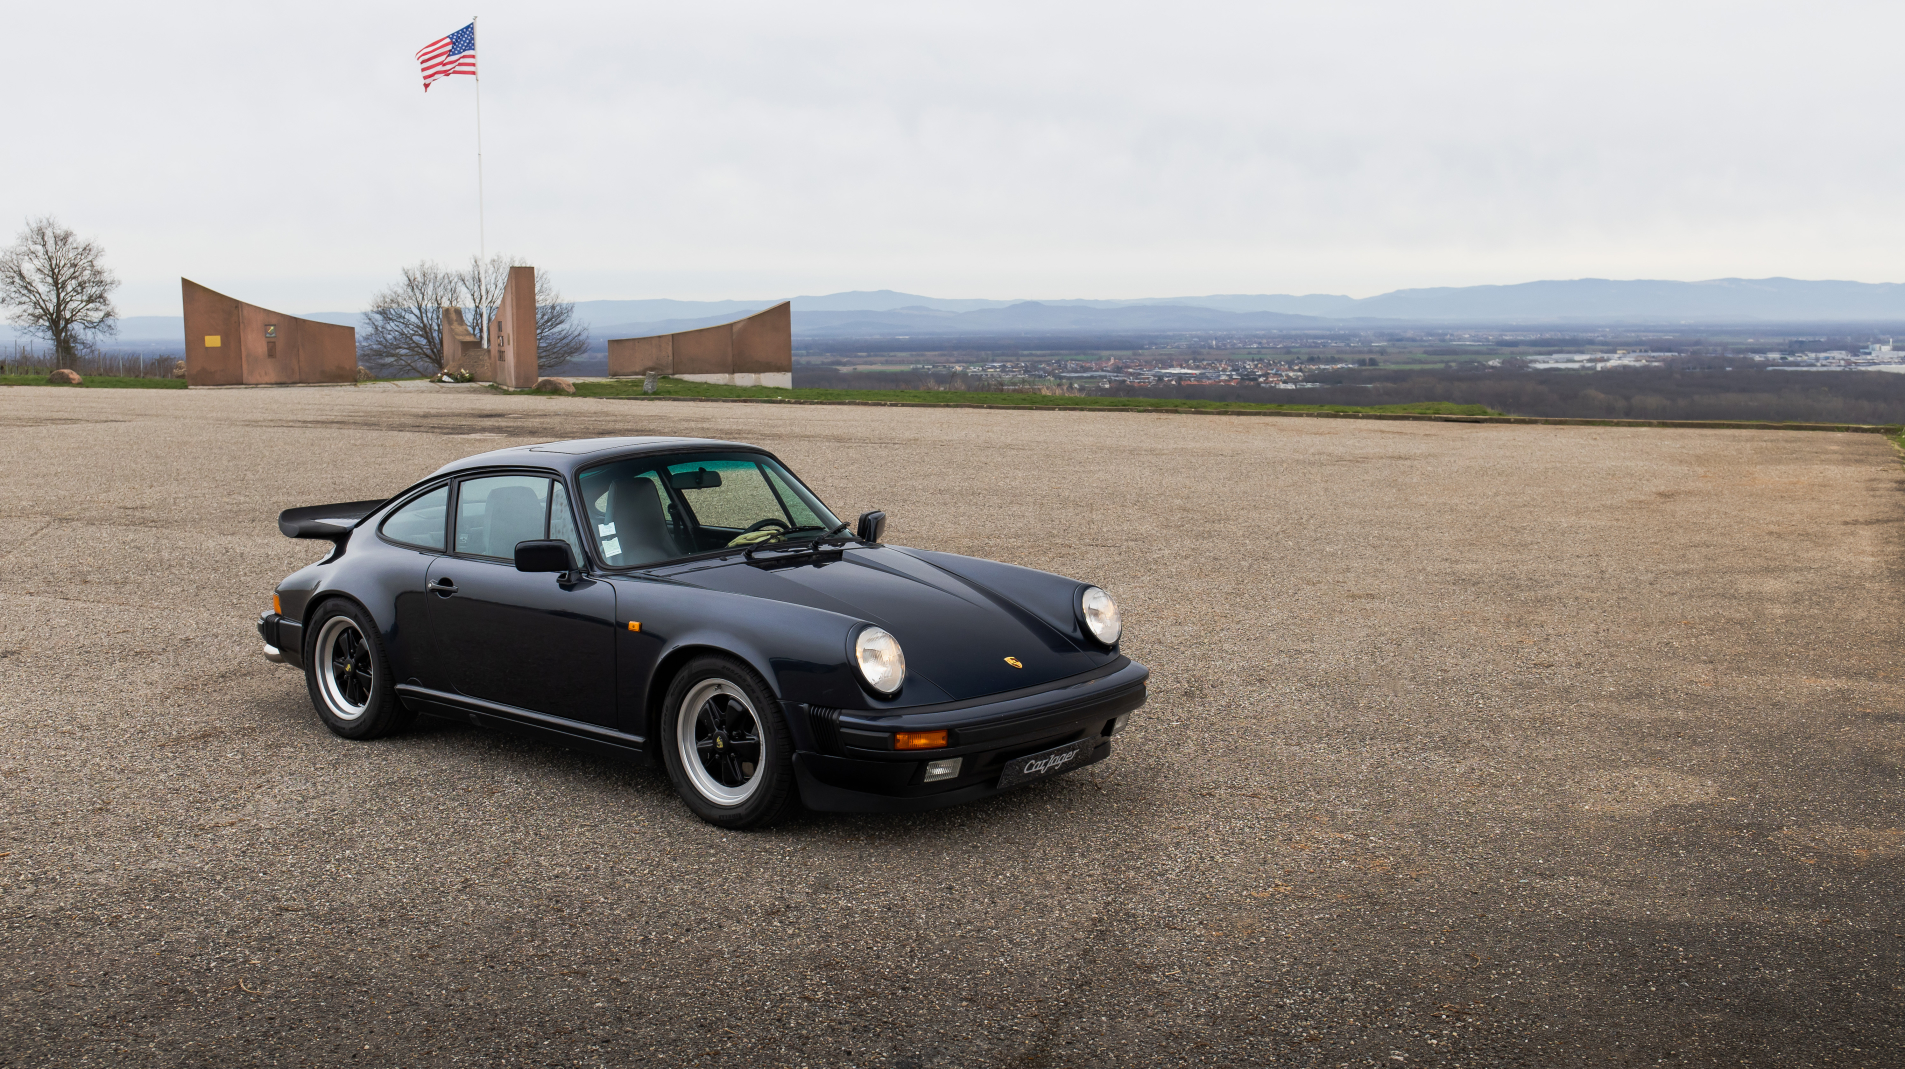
(482, 287)
(403, 331)
(559, 338)
(404, 327)
(56, 288)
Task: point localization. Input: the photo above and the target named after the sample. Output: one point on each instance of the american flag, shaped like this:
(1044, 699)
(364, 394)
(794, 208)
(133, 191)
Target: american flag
(455, 54)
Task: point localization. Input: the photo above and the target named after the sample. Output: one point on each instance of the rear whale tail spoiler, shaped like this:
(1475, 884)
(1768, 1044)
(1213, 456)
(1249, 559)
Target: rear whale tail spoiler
(333, 522)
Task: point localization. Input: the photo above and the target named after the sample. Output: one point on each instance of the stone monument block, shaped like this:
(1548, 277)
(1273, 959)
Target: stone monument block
(757, 350)
(513, 332)
(231, 343)
(462, 351)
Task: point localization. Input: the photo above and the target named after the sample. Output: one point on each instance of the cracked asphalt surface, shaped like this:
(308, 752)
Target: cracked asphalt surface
(1466, 746)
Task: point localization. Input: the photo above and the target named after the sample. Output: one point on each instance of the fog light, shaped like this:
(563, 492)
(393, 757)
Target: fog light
(919, 740)
(1117, 725)
(946, 769)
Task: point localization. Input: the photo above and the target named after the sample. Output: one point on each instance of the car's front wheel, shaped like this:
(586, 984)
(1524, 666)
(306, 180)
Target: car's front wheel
(348, 674)
(726, 745)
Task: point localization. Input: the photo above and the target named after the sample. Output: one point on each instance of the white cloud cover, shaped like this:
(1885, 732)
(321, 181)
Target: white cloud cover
(287, 154)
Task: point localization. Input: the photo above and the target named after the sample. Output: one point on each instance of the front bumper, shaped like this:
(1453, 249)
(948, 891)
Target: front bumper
(848, 771)
(284, 639)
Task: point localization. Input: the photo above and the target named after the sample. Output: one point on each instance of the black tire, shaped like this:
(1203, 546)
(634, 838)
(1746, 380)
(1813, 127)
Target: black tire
(348, 675)
(718, 714)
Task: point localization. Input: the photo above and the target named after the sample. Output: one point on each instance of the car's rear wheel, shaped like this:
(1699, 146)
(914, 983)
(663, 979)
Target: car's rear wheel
(726, 745)
(348, 675)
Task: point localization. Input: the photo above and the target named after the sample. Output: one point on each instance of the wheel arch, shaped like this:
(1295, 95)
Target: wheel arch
(671, 664)
(324, 597)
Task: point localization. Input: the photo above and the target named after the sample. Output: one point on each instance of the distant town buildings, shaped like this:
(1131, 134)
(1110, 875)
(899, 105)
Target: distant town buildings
(1599, 361)
(1139, 371)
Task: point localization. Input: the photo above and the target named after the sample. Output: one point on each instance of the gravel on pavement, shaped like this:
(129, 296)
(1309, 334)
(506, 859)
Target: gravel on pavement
(1467, 745)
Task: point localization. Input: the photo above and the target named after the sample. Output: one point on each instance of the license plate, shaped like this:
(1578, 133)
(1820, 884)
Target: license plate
(1048, 762)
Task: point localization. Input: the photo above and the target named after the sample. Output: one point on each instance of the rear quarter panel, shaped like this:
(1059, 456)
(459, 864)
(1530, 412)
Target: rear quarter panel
(387, 581)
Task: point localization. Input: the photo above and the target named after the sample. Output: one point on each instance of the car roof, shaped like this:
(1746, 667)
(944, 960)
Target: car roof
(575, 453)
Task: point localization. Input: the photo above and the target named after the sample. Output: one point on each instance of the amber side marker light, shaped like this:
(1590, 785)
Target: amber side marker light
(919, 740)
(276, 605)
(634, 625)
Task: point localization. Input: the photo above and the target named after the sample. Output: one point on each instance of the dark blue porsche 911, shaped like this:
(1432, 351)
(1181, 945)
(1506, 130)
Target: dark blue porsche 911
(693, 601)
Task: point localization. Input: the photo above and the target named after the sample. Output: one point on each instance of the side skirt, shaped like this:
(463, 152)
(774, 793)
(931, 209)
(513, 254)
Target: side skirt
(479, 713)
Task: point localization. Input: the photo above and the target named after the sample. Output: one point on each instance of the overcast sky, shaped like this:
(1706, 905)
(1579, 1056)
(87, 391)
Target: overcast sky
(288, 156)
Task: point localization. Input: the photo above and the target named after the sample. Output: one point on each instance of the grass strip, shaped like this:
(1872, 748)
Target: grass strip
(97, 382)
(676, 388)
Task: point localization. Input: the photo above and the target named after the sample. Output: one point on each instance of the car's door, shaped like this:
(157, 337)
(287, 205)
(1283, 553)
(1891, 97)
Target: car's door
(416, 535)
(532, 640)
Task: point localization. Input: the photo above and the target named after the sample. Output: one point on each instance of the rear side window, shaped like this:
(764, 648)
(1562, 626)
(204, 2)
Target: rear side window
(495, 513)
(421, 523)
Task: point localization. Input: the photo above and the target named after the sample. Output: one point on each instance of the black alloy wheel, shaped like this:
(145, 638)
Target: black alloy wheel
(348, 675)
(726, 747)
(351, 673)
(727, 738)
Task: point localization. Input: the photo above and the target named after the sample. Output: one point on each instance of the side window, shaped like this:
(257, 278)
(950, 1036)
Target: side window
(495, 513)
(562, 522)
(632, 523)
(421, 522)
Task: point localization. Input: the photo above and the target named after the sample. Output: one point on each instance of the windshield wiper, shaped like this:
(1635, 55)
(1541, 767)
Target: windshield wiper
(803, 548)
(830, 531)
(826, 536)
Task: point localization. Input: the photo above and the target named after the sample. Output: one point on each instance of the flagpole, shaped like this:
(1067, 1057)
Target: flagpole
(482, 237)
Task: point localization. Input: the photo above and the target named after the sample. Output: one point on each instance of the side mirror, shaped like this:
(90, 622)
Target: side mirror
(871, 526)
(545, 556)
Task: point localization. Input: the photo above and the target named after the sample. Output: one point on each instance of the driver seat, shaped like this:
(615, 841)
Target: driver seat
(641, 528)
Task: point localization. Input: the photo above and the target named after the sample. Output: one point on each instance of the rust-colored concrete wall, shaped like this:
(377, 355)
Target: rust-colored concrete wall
(513, 331)
(462, 351)
(764, 341)
(639, 356)
(760, 343)
(211, 337)
(708, 351)
(230, 343)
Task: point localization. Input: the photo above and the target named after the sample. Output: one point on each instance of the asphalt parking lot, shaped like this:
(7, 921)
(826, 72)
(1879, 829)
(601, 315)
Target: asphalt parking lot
(1467, 745)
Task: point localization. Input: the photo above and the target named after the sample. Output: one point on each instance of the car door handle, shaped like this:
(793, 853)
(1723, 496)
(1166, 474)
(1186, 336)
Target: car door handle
(443, 587)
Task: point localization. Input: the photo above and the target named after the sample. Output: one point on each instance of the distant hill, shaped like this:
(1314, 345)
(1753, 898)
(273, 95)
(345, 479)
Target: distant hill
(1576, 302)
(1036, 317)
(1721, 300)
(1572, 302)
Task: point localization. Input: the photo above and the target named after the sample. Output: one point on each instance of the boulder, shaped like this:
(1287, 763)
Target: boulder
(178, 369)
(554, 386)
(66, 377)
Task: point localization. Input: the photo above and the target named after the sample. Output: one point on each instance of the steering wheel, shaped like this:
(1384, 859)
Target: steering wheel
(758, 532)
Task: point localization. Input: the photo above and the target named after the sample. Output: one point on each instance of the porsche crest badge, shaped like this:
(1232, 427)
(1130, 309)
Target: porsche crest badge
(1014, 662)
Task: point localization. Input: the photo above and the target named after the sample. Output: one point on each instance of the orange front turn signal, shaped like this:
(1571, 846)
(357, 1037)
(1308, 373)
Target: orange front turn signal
(634, 625)
(276, 605)
(919, 740)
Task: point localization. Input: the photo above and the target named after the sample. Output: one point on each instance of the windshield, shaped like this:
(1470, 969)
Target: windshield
(651, 509)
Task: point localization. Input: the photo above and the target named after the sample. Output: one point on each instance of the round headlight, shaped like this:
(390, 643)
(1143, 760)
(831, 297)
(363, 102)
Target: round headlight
(881, 663)
(1101, 615)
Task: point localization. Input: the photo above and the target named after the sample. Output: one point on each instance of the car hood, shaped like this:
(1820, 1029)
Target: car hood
(956, 633)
